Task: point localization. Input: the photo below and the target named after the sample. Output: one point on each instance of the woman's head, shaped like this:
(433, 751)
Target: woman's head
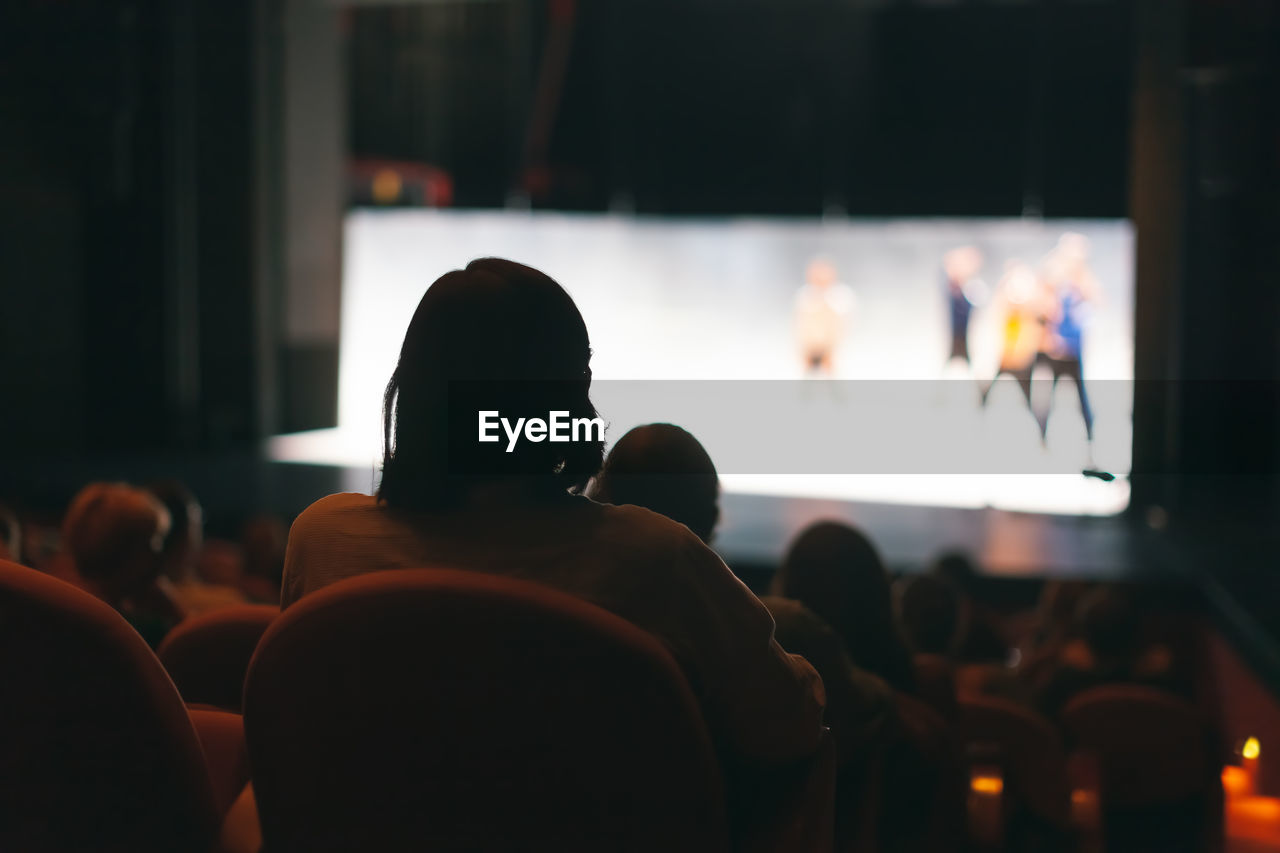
(835, 571)
(499, 337)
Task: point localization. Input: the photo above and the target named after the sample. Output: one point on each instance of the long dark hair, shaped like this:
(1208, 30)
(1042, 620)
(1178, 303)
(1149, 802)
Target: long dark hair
(496, 336)
(835, 571)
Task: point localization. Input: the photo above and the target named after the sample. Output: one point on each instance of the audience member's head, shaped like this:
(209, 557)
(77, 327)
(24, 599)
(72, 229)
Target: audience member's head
(663, 468)
(1107, 622)
(10, 536)
(836, 572)
(496, 337)
(956, 568)
(186, 529)
(930, 613)
(115, 534)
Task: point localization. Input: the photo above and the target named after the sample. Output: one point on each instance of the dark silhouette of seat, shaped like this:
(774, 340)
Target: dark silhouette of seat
(207, 656)
(1021, 749)
(222, 738)
(447, 710)
(908, 794)
(1154, 758)
(97, 751)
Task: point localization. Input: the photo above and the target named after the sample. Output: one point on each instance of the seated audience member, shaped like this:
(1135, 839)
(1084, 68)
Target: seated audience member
(10, 536)
(502, 337)
(1107, 652)
(929, 611)
(836, 572)
(981, 629)
(182, 551)
(263, 540)
(663, 468)
(860, 707)
(115, 534)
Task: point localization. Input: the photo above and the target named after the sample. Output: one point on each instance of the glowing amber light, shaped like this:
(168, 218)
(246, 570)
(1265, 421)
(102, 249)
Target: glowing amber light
(1236, 782)
(386, 186)
(986, 784)
(1251, 748)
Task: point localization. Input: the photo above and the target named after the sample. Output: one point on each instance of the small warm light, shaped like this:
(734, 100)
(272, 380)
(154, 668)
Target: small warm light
(386, 186)
(1251, 748)
(1236, 782)
(1081, 797)
(986, 785)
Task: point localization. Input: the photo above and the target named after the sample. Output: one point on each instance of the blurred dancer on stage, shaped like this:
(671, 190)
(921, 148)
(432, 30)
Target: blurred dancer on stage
(964, 291)
(823, 308)
(1073, 288)
(1025, 329)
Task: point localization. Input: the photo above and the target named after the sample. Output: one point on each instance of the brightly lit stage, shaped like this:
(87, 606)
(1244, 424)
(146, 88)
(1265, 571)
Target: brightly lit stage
(691, 321)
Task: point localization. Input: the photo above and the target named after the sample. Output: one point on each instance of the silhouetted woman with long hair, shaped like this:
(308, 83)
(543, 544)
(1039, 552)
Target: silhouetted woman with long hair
(499, 340)
(836, 572)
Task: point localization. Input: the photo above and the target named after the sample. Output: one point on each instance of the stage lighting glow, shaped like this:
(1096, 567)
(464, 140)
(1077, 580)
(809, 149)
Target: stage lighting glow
(875, 356)
(1251, 748)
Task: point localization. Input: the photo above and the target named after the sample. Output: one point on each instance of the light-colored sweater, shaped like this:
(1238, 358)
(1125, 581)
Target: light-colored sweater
(760, 702)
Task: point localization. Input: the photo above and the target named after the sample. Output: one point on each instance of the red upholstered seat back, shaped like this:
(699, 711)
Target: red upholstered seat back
(1151, 747)
(96, 749)
(1027, 749)
(447, 710)
(208, 656)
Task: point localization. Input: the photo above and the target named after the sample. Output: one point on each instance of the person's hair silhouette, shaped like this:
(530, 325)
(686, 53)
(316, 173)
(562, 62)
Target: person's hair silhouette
(836, 572)
(663, 468)
(497, 336)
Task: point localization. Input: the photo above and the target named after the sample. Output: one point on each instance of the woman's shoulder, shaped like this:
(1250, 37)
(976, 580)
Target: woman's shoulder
(332, 508)
(642, 528)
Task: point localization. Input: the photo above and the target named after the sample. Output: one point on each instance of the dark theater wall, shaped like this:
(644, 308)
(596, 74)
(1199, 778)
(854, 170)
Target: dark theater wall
(147, 217)
(702, 106)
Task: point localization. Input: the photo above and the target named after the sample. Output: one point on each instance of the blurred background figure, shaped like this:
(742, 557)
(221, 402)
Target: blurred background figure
(929, 611)
(662, 467)
(182, 551)
(980, 632)
(116, 533)
(1107, 648)
(965, 290)
(835, 571)
(262, 541)
(823, 309)
(1073, 289)
(10, 536)
(1024, 329)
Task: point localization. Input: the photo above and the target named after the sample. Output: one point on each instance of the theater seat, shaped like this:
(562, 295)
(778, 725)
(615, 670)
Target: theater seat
(207, 656)
(96, 749)
(909, 795)
(1016, 761)
(446, 710)
(1159, 779)
(221, 736)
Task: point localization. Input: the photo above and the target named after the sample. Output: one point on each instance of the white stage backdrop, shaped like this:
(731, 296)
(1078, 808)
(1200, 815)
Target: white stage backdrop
(714, 300)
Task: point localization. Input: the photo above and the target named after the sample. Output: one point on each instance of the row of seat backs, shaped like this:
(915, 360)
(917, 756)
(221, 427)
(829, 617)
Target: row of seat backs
(97, 751)
(422, 709)
(601, 744)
